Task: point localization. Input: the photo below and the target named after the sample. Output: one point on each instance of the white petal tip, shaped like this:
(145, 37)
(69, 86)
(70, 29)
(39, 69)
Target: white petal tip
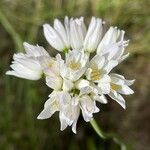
(62, 129)
(25, 43)
(103, 22)
(132, 92)
(105, 102)
(46, 25)
(39, 117)
(9, 72)
(124, 107)
(75, 132)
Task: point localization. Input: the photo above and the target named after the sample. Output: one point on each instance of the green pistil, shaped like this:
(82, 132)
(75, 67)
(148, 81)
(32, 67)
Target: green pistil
(65, 50)
(75, 92)
(84, 77)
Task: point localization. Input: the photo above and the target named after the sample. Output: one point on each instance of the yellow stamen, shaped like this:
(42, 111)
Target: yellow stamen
(115, 86)
(50, 65)
(74, 65)
(95, 74)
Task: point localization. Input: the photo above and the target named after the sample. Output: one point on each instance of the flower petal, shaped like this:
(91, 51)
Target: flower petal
(25, 67)
(110, 65)
(50, 107)
(118, 98)
(54, 82)
(35, 51)
(62, 32)
(97, 60)
(88, 107)
(67, 85)
(125, 90)
(101, 98)
(94, 35)
(77, 33)
(104, 84)
(63, 121)
(53, 37)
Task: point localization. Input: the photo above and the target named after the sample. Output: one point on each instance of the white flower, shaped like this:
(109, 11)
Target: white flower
(77, 33)
(69, 106)
(35, 51)
(62, 102)
(62, 37)
(34, 63)
(79, 80)
(57, 100)
(58, 37)
(119, 85)
(53, 81)
(98, 71)
(100, 98)
(68, 85)
(27, 65)
(50, 107)
(75, 65)
(94, 34)
(63, 31)
(88, 107)
(69, 115)
(113, 44)
(70, 112)
(51, 69)
(88, 88)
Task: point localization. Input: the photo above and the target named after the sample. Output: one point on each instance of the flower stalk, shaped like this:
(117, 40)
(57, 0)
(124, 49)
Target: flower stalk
(106, 136)
(97, 129)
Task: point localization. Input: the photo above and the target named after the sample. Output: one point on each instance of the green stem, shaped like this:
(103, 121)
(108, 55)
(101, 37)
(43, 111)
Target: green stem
(9, 28)
(105, 136)
(97, 129)
(36, 21)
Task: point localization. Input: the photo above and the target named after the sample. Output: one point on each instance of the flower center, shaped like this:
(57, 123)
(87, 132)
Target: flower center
(74, 65)
(115, 86)
(50, 65)
(95, 74)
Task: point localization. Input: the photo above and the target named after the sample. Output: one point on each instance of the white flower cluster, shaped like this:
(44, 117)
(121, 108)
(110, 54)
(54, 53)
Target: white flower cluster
(79, 80)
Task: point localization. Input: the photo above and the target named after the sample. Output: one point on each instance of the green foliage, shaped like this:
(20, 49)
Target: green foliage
(21, 101)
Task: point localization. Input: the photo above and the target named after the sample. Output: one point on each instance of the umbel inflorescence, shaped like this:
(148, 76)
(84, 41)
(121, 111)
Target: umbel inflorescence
(78, 81)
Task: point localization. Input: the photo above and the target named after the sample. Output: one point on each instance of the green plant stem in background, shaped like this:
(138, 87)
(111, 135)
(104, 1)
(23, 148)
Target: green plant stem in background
(9, 28)
(36, 21)
(105, 136)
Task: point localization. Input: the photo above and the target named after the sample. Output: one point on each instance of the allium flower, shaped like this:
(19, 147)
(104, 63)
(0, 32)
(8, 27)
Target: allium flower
(80, 80)
(75, 65)
(98, 71)
(119, 85)
(27, 65)
(113, 44)
(94, 34)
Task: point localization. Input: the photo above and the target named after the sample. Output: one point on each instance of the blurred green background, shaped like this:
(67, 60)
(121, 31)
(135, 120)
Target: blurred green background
(22, 100)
